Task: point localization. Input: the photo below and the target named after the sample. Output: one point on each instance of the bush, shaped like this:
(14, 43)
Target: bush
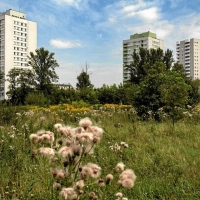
(36, 99)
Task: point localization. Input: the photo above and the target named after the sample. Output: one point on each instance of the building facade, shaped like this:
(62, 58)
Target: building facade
(18, 37)
(188, 54)
(147, 40)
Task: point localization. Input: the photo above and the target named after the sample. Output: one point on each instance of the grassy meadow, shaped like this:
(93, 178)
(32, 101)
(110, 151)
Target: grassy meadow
(165, 159)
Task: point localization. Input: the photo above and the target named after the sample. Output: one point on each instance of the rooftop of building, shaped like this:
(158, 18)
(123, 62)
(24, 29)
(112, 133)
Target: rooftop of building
(14, 13)
(145, 34)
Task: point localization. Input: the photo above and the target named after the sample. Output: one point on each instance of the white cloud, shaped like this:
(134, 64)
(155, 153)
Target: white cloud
(64, 44)
(131, 8)
(149, 14)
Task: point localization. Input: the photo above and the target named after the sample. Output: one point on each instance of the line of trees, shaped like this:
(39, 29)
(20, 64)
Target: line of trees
(155, 83)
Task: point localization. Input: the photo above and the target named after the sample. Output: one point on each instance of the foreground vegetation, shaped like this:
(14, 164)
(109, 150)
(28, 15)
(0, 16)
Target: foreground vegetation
(165, 159)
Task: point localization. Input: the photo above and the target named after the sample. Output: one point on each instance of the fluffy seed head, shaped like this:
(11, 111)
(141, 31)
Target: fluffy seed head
(76, 150)
(109, 178)
(128, 183)
(67, 193)
(127, 174)
(85, 172)
(85, 138)
(118, 194)
(120, 167)
(100, 182)
(46, 151)
(86, 122)
(34, 138)
(57, 126)
(56, 186)
(95, 169)
(41, 132)
(92, 195)
(65, 152)
(80, 184)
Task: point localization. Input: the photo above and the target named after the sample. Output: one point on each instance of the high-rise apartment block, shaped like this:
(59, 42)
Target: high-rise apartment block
(147, 40)
(188, 54)
(18, 37)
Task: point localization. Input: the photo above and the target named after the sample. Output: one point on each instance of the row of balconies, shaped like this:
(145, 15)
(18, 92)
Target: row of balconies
(20, 29)
(20, 34)
(20, 59)
(20, 54)
(18, 49)
(19, 44)
(20, 64)
(20, 24)
(20, 39)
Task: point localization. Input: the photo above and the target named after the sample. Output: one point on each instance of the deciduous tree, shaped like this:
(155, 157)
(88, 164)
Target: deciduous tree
(43, 66)
(21, 83)
(84, 79)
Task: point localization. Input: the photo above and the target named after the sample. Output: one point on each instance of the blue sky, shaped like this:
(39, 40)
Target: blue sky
(92, 31)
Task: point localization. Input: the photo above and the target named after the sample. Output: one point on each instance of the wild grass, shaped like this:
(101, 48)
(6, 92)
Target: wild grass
(165, 161)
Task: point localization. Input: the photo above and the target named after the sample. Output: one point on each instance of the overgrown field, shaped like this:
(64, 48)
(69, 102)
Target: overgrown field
(165, 159)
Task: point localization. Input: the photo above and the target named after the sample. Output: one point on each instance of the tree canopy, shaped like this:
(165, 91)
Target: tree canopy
(149, 61)
(43, 67)
(1, 79)
(84, 79)
(160, 82)
(21, 83)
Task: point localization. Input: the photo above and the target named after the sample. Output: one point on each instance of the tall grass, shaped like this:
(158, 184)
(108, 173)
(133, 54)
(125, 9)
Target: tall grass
(165, 162)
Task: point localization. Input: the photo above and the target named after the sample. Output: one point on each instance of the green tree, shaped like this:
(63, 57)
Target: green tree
(174, 94)
(21, 83)
(109, 94)
(1, 79)
(36, 98)
(152, 71)
(145, 60)
(147, 98)
(194, 93)
(43, 66)
(84, 79)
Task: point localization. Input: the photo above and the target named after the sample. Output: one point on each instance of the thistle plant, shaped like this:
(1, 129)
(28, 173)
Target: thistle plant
(73, 176)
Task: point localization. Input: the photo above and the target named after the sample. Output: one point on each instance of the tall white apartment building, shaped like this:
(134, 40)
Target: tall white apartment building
(188, 54)
(145, 40)
(18, 37)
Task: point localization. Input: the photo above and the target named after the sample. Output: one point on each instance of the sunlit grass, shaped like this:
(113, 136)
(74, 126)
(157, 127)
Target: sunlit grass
(166, 162)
